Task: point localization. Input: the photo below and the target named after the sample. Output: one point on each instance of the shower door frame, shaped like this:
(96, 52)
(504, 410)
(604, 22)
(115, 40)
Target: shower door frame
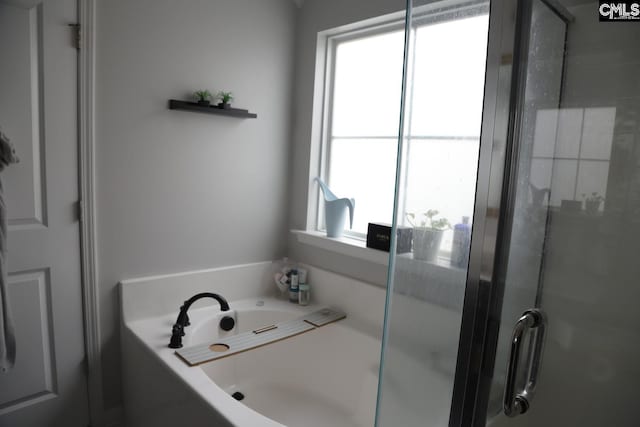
(493, 214)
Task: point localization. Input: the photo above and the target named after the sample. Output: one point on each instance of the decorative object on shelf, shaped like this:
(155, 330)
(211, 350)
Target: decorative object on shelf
(592, 202)
(379, 237)
(203, 97)
(225, 99)
(335, 210)
(427, 234)
(175, 104)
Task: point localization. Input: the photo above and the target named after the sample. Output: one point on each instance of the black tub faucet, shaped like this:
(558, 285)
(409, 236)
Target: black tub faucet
(177, 332)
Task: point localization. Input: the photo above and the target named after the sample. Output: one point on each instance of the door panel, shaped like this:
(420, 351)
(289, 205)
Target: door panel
(22, 110)
(33, 381)
(582, 271)
(47, 386)
(538, 88)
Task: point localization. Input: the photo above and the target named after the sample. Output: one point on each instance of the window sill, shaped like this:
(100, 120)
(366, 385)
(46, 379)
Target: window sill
(437, 282)
(357, 248)
(343, 245)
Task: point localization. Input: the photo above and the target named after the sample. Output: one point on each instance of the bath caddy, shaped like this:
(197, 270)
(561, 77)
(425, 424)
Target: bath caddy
(228, 346)
(175, 104)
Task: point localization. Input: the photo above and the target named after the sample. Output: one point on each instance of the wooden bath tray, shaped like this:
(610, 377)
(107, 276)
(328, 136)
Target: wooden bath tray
(228, 346)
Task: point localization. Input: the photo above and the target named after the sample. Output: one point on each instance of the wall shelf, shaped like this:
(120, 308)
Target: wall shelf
(175, 104)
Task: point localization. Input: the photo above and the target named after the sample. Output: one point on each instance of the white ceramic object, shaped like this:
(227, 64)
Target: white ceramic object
(327, 376)
(426, 243)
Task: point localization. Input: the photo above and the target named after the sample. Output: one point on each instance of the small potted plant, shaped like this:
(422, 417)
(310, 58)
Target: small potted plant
(225, 99)
(427, 234)
(203, 97)
(592, 202)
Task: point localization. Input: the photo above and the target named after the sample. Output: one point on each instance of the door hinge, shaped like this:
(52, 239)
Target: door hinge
(75, 28)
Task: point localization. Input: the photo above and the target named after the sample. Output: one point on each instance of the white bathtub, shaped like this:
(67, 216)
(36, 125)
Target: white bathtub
(325, 377)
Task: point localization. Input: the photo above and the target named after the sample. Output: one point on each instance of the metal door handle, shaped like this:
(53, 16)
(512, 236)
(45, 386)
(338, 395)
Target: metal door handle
(516, 403)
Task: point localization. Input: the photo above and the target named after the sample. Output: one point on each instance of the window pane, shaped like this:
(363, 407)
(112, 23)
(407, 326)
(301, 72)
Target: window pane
(441, 175)
(592, 178)
(365, 170)
(540, 178)
(569, 132)
(448, 82)
(545, 133)
(598, 133)
(367, 86)
(563, 186)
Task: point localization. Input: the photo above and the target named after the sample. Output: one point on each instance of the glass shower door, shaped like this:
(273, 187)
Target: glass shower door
(435, 196)
(567, 344)
(537, 174)
(539, 327)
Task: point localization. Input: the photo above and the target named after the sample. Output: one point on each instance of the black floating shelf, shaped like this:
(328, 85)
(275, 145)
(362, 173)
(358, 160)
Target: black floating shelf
(175, 104)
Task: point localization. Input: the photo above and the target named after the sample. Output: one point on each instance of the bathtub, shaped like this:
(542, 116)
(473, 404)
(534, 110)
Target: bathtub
(324, 377)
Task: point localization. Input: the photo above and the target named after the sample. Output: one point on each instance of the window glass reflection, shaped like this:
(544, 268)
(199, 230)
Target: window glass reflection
(571, 155)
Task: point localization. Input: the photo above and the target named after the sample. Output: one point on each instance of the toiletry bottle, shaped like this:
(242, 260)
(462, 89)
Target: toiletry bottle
(461, 241)
(293, 286)
(304, 290)
(282, 275)
(304, 294)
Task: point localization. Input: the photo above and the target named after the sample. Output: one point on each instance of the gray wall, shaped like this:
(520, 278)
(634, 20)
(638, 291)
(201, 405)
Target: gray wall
(179, 190)
(315, 16)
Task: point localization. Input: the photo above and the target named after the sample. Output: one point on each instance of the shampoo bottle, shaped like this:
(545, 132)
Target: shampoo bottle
(304, 291)
(293, 286)
(461, 242)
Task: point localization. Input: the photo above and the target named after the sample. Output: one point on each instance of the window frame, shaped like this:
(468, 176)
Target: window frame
(328, 42)
(332, 41)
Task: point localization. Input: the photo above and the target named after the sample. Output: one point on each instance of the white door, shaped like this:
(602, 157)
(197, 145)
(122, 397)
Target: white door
(38, 75)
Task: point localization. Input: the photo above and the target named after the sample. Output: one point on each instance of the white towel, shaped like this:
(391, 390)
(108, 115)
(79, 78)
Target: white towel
(7, 337)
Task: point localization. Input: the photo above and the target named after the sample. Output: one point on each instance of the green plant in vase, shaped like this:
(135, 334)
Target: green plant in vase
(592, 202)
(428, 230)
(203, 97)
(225, 99)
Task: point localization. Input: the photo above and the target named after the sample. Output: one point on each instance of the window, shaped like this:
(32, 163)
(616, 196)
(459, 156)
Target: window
(364, 113)
(571, 153)
(442, 117)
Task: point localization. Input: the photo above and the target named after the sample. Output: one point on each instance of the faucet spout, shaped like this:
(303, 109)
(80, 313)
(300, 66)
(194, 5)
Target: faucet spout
(177, 332)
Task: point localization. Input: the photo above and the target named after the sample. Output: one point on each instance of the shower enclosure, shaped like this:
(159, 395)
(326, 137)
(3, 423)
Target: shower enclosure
(523, 116)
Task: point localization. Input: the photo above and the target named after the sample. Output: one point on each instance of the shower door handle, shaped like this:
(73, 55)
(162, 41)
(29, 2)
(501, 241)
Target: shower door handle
(516, 403)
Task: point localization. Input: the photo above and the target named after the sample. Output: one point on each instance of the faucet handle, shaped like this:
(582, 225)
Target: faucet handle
(178, 329)
(177, 332)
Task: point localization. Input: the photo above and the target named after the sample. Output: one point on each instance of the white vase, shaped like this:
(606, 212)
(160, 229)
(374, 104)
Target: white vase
(426, 243)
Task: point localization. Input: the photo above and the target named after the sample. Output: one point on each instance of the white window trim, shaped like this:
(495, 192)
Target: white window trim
(345, 245)
(357, 249)
(393, 24)
(323, 91)
(352, 244)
